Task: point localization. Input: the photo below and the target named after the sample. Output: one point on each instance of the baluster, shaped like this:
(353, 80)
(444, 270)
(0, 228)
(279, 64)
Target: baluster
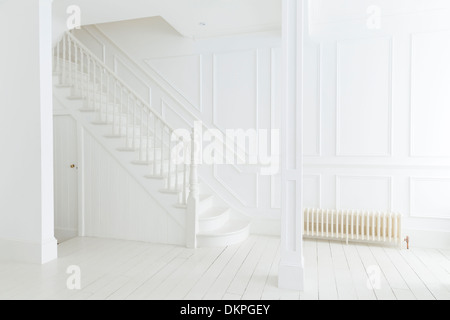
(94, 86)
(177, 173)
(88, 94)
(58, 58)
(64, 62)
(82, 73)
(121, 112)
(114, 107)
(75, 83)
(193, 199)
(154, 144)
(133, 145)
(141, 131)
(101, 94)
(127, 129)
(162, 149)
(169, 183)
(70, 60)
(185, 173)
(107, 75)
(147, 154)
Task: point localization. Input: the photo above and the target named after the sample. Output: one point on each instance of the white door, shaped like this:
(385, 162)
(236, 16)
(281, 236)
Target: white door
(65, 177)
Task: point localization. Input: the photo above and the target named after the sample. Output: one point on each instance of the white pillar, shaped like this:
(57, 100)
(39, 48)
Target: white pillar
(291, 268)
(26, 132)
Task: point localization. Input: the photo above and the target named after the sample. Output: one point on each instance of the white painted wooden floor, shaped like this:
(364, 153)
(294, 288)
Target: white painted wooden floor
(112, 269)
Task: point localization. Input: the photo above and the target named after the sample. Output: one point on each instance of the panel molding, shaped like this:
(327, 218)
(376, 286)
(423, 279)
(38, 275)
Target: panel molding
(97, 39)
(118, 60)
(167, 106)
(215, 89)
(198, 107)
(234, 193)
(319, 109)
(273, 124)
(412, 154)
(318, 178)
(388, 179)
(412, 212)
(272, 193)
(390, 106)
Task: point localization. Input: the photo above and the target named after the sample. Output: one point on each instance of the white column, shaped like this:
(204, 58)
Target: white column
(291, 268)
(26, 132)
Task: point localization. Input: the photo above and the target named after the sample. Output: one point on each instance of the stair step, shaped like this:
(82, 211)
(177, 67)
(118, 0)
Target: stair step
(63, 85)
(75, 97)
(213, 213)
(213, 219)
(206, 202)
(233, 232)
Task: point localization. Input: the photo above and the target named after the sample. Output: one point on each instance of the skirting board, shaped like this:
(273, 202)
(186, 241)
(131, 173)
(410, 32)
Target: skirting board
(417, 238)
(427, 238)
(267, 227)
(28, 252)
(62, 234)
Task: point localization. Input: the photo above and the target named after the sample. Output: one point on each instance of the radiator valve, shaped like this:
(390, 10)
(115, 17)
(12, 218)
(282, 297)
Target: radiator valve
(407, 242)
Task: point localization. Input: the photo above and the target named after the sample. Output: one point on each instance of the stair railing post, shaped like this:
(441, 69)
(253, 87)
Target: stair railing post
(193, 200)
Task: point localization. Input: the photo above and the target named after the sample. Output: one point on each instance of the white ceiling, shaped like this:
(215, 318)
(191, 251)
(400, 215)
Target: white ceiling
(221, 17)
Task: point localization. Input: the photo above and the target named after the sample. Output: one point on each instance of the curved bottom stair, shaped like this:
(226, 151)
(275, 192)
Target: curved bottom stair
(218, 225)
(233, 232)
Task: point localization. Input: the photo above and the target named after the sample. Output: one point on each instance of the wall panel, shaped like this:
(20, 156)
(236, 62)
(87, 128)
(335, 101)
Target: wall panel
(364, 97)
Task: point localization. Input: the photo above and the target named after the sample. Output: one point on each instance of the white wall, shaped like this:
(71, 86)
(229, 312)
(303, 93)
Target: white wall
(375, 103)
(377, 111)
(26, 139)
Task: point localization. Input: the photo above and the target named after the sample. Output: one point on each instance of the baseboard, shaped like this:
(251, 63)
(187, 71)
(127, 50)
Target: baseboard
(291, 277)
(28, 252)
(267, 227)
(417, 238)
(427, 238)
(63, 234)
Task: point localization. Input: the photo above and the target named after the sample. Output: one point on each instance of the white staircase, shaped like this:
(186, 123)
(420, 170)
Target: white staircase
(142, 142)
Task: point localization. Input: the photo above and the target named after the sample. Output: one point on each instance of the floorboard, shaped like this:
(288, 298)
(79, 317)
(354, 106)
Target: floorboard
(120, 270)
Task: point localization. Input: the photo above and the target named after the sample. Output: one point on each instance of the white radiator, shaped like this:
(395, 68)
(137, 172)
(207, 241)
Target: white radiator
(351, 225)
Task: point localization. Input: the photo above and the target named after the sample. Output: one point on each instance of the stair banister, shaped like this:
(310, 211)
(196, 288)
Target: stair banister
(100, 77)
(107, 70)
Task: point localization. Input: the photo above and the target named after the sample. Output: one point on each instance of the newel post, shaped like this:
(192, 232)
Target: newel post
(193, 198)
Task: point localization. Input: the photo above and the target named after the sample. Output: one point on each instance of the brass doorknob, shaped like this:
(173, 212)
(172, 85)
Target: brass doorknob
(72, 166)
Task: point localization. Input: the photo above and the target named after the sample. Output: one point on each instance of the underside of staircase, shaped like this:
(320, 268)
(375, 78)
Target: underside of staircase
(140, 140)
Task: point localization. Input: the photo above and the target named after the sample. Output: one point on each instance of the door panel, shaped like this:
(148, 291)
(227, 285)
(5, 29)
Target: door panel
(66, 178)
